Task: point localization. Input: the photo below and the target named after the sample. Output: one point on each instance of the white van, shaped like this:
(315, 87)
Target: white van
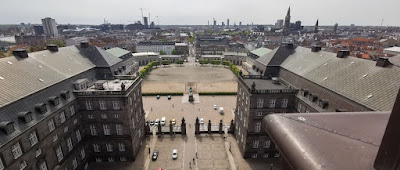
(162, 121)
(221, 110)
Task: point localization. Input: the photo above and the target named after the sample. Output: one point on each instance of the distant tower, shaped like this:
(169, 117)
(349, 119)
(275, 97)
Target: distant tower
(146, 22)
(227, 22)
(240, 24)
(215, 23)
(316, 27)
(335, 28)
(50, 27)
(287, 22)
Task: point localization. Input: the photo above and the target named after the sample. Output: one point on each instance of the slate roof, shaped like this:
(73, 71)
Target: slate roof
(118, 52)
(22, 77)
(357, 79)
(99, 57)
(260, 51)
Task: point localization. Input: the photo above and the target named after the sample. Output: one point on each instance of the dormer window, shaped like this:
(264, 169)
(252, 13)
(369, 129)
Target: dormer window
(81, 84)
(323, 103)
(41, 108)
(65, 95)
(25, 116)
(54, 100)
(7, 127)
(312, 97)
(305, 92)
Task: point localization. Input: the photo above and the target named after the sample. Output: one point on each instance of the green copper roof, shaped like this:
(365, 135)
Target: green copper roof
(260, 51)
(118, 52)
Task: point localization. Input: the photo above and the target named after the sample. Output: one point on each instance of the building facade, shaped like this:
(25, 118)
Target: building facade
(156, 47)
(50, 27)
(67, 110)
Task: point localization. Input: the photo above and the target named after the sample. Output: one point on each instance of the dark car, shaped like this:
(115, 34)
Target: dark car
(155, 155)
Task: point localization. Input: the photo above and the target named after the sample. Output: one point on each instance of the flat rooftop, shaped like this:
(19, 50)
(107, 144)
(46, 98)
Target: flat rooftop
(262, 84)
(144, 54)
(111, 85)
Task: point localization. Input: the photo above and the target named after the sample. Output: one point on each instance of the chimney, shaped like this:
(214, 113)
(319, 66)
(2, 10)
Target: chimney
(343, 53)
(22, 53)
(382, 62)
(52, 47)
(289, 45)
(84, 44)
(316, 48)
(275, 80)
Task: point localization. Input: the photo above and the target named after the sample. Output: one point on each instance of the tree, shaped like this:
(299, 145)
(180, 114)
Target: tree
(166, 62)
(203, 62)
(58, 43)
(179, 62)
(174, 52)
(162, 52)
(216, 62)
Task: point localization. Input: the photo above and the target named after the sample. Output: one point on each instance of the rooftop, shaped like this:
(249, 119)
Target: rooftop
(263, 84)
(118, 52)
(260, 51)
(394, 49)
(144, 54)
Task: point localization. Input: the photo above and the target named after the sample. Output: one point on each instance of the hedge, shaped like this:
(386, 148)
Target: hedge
(163, 94)
(148, 68)
(218, 93)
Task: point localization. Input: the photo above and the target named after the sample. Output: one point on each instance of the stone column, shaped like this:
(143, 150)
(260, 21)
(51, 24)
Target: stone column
(197, 126)
(209, 126)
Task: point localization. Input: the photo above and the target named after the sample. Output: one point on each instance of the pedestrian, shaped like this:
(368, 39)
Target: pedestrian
(193, 161)
(197, 156)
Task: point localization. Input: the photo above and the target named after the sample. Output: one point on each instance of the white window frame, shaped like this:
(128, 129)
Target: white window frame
(89, 105)
(259, 113)
(284, 103)
(1, 164)
(33, 138)
(110, 159)
(260, 103)
(116, 116)
(69, 144)
(272, 103)
(43, 166)
(74, 163)
(72, 110)
(256, 143)
(38, 152)
(104, 116)
(121, 147)
(103, 105)
(16, 150)
(122, 159)
(83, 154)
(78, 135)
(254, 155)
(51, 125)
(267, 144)
(118, 129)
(23, 165)
(62, 117)
(98, 160)
(116, 105)
(93, 130)
(109, 147)
(299, 107)
(106, 129)
(90, 116)
(59, 154)
(257, 127)
(55, 138)
(96, 148)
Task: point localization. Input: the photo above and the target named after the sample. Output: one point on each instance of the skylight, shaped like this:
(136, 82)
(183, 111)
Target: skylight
(9, 62)
(41, 80)
(369, 96)
(1, 78)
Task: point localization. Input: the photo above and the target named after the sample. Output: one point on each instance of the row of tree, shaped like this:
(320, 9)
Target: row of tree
(233, 68)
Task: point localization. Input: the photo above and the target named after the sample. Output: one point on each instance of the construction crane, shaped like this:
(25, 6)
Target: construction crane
(158, 21)
(141, 11)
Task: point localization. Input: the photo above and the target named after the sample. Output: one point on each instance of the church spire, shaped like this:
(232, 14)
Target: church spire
(288, 12)
(316, 27)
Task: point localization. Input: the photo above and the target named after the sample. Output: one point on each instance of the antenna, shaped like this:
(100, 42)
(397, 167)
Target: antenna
(158, 21)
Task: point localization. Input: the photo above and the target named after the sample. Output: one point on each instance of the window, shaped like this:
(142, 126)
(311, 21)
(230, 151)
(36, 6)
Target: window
(259, 113)
(130, 101)
(244, 121)
(66, 129)
(102, 105)
(16, 150)
(116, 116)
(86, 165)
(59, 154)
(93, 130)
(83, 154)
(98, 160)
(69, 144)
(78, 135)
(55, 138)
(254, 155)
(123, 159)
(89, 105)
(257, 127)
(62, 117)
(96, 148)
(109, 147)
(277, 155)
(267, 144)
(90, 116)
(33, 138)
(74, 163)
(1, 165)
(272, 103)
(284, 103)
(72, 109)
(299, 107)
(106, 130)
(43, 166)
(116, 105)
(110, 159)
(255, 143)
(260, 103)
(75, 121)
(307, 110)
(103, 116)
(265, 155)
(51, 125)
(121, 147)
(38, 152)
(118, 128)
(22, 165)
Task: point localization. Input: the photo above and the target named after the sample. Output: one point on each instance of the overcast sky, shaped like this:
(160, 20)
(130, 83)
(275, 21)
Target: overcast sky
(198, 12)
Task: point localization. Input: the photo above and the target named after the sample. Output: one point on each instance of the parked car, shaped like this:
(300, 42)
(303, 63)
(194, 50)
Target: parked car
(201, 121)
(157, 121)
(215, 107)
(174, 154)
(155, 155)
(163, 119)
(152, 123)
(169, 97)
(221, 110)
(173, 121)
(158, 96)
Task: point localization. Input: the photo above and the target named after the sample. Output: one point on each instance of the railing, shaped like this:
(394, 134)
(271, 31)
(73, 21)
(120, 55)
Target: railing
(107, 92)
(286, 91)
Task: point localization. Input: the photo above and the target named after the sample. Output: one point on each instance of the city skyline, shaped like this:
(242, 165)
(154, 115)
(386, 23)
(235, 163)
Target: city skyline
(200, 12)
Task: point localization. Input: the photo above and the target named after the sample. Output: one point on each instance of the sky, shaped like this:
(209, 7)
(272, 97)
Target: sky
(199, 12)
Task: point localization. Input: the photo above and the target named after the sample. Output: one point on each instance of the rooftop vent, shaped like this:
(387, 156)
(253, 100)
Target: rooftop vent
(25, 116)
(41, 108)
(52, 47)
(84, 44)
(98, 85)
(22, 53)
(54, 100)
(343, 53)
(65, 94)
(316, 48)
(275, 80)
(383, 62)
(7, 126)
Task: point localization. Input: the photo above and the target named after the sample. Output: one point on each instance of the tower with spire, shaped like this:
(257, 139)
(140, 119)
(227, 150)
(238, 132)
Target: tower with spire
(316, 27)
(287, 22)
